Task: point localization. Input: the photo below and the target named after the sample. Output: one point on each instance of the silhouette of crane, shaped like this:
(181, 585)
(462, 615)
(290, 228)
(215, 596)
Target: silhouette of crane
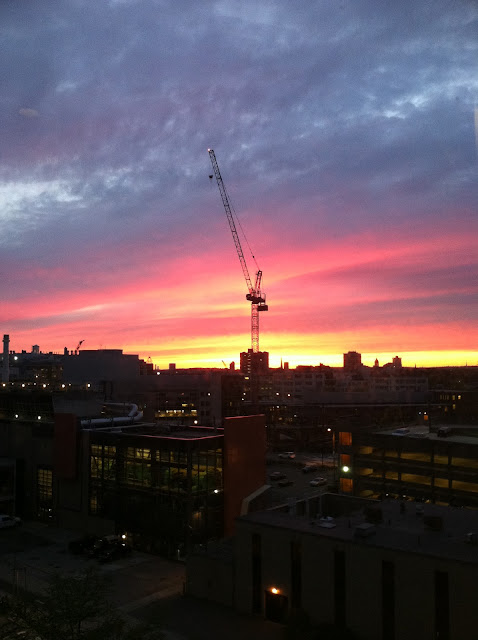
(256, 297)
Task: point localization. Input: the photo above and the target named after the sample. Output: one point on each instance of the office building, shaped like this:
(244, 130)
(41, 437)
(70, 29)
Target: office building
(385, 571)
(437, 464)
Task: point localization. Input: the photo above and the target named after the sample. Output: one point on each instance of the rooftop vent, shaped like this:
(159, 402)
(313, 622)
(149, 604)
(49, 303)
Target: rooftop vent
(401, 432)
(365, 530)
(471, 538)
(443, 432)
(327, 522)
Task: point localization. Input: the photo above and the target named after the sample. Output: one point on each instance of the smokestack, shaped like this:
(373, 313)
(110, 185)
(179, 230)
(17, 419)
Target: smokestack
(6, 358)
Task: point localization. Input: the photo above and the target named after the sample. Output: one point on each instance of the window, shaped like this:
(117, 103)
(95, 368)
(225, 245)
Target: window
(415, 478)
(388, 600)
(296, 574)
(256, 559)
(346, 485)
(339, 588)
(44, 493)
(442, 606)
(345, 438)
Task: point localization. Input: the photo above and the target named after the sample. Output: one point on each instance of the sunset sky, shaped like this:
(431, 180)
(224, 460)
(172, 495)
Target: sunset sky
(346, 134)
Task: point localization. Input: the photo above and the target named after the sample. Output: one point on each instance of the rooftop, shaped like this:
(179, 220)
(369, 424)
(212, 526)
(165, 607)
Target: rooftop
(464, 434)
(161, 431)
(427, 529)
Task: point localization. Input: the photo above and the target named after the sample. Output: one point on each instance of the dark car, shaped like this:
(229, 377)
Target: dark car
(114, 551)
(310, 467)
(103, 544)
(285, 483)
(83, 544)
(277, 475)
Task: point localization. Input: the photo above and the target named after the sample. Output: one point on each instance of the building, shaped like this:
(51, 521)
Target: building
(167, 486)
(254, 363)
(352, 361)
(437, 464)
(386, 571)
(98, 365)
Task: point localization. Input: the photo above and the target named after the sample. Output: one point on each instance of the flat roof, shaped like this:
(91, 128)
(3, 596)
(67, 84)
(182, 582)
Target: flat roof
(456, 433)
(398, 531)
(153, 430)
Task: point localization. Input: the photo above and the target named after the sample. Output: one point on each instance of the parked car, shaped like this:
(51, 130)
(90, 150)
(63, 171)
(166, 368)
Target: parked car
(287, 455)
(310, 467)
(114, 551)
(83, 544)
(285, 482)
(9, 521)
(318, 482)
(102, 544)
(277, 475)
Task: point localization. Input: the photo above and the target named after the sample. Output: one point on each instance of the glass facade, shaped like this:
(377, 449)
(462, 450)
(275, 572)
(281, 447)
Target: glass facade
(168, 493)
(44, 493)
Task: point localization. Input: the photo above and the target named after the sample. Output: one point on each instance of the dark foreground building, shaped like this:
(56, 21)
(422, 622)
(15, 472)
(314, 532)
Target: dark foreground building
(386, 571)
(167, 488)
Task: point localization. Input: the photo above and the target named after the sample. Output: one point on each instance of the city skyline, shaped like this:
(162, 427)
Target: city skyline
(346, 137)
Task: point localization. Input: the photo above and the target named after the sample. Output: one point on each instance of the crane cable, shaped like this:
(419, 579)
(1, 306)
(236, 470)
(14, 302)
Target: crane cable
(242, 230)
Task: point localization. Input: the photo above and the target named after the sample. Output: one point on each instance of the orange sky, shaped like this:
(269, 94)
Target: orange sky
(347, 143)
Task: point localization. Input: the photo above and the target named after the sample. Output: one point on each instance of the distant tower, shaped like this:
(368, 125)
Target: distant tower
(352, 361)
(6, 358)
(397, 362)
(375, 364)
(254, 363)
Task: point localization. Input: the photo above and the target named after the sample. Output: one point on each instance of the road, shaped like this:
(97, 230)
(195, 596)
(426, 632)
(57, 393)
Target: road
(301, 481)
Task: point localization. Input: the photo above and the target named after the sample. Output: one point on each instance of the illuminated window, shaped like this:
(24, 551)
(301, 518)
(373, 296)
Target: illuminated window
(470, 463)
(365, 451)
(345, 460)
(415, 478)
(345, 438)
(391, 475)
(346, 485)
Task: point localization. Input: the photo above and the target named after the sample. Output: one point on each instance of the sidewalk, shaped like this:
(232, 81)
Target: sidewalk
(143, 587)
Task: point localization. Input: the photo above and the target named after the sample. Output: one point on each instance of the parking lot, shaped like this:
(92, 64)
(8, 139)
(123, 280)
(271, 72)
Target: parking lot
(143, 587)
(292, 468)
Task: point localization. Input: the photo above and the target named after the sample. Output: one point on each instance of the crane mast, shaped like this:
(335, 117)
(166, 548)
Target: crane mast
(254, 294)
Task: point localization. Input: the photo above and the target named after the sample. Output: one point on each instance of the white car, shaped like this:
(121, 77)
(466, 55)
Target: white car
(8, 521)
(318, 482)
(287, 454)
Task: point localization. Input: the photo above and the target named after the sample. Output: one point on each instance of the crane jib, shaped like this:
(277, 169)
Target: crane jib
(255, 296)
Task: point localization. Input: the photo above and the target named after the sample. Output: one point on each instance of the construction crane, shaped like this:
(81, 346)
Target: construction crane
(78, 346)
(255, 296)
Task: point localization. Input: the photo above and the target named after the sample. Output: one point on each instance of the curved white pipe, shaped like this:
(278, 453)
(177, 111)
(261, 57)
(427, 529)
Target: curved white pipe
(134, 415)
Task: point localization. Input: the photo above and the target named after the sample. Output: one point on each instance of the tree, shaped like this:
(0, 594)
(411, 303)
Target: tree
(75, 608)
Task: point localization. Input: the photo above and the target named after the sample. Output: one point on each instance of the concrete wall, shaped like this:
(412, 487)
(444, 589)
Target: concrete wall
(210, 578)
(414, 583)
(244, 463)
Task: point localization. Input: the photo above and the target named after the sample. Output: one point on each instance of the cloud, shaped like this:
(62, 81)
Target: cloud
(29, 113)
(346, 136)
